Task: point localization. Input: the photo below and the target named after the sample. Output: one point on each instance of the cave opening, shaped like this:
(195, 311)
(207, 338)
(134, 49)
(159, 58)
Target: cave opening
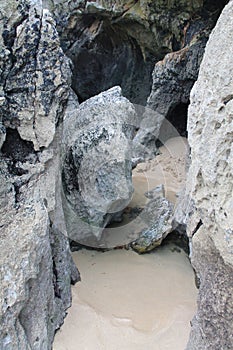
(175, 123)
(103, 56)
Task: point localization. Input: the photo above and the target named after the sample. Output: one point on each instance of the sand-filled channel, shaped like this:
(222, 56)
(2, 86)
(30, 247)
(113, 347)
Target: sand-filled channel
(127, 301)
(130, 302)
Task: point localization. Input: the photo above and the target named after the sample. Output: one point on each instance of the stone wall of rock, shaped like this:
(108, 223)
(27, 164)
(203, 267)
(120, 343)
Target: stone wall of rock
(210, 189)
(35, 260)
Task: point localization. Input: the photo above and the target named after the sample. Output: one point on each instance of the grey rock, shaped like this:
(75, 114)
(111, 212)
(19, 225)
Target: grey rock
(209, 187)
(166, 112)
(165, 115)
(35, 260)
(36, 265)
(121, 40)
(156, 218)
(96, 164)
(158, 191)
(35, 94)
(2, 135)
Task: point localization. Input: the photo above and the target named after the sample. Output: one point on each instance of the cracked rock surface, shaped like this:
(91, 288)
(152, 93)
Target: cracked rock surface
(210, 186)
(35, 260)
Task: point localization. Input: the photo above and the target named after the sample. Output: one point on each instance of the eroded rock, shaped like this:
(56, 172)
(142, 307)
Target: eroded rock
(96, 165)
(35, 89)
(122, 40)
(36, 266)
(209, 186)
(156, 217)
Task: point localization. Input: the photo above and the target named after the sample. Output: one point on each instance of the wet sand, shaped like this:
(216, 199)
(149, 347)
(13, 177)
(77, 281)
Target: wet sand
(168, 169)
(130, 302)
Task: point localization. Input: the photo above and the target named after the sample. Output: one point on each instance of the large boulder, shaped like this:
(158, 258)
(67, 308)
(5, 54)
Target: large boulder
(96, 164)
(209, 186)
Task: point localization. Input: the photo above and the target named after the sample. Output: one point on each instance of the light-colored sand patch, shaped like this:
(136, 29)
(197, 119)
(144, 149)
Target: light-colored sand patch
(130, 302)
(168, 168)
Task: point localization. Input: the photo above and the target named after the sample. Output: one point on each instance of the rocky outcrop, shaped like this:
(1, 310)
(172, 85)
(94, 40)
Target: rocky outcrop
(165, 115)
(121, 40)
(108, 43)
(210, 186)
(35, 81)
(36, 266)
(96, 165)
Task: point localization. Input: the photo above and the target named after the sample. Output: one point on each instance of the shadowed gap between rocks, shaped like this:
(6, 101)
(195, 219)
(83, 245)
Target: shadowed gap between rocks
(17, 150)
(177, 117)
(103, 56)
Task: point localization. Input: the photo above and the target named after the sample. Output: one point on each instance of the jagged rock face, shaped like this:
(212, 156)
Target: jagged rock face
(157, 221)
(34, 93)
(165, 115)
(36, 266)
(209, 186)
(173, 79)
(96, 166)
(121, 40)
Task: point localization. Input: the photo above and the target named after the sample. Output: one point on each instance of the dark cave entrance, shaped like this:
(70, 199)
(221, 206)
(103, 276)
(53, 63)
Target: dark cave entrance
(103, 56)
(175, 123)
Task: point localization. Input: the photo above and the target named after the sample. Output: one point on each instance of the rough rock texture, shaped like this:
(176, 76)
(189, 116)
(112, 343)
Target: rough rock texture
(210, 188)
(96, 168)
(109, 43)
(173, 78)
(156, 219)
(36, 77)
(123, 39)
(36, 266)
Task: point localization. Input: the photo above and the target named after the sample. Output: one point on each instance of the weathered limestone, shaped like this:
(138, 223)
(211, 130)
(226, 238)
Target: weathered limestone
(36, 84)
(122, 40)
(96, 165)
(126, 38)
(36, 266)
(156, 218)
(210, 189)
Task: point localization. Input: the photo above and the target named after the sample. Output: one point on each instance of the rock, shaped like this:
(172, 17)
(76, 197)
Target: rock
(158, 191)
(2, 135)
(34, 93)
(122, 40)
(156, 218)
(209, 186)
(35, 260)
(96, 165)
(166, 113)
(34, 297)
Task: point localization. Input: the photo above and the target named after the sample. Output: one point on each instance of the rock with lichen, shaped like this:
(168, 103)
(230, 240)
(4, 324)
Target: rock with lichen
(35, 260)
(96, 164)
